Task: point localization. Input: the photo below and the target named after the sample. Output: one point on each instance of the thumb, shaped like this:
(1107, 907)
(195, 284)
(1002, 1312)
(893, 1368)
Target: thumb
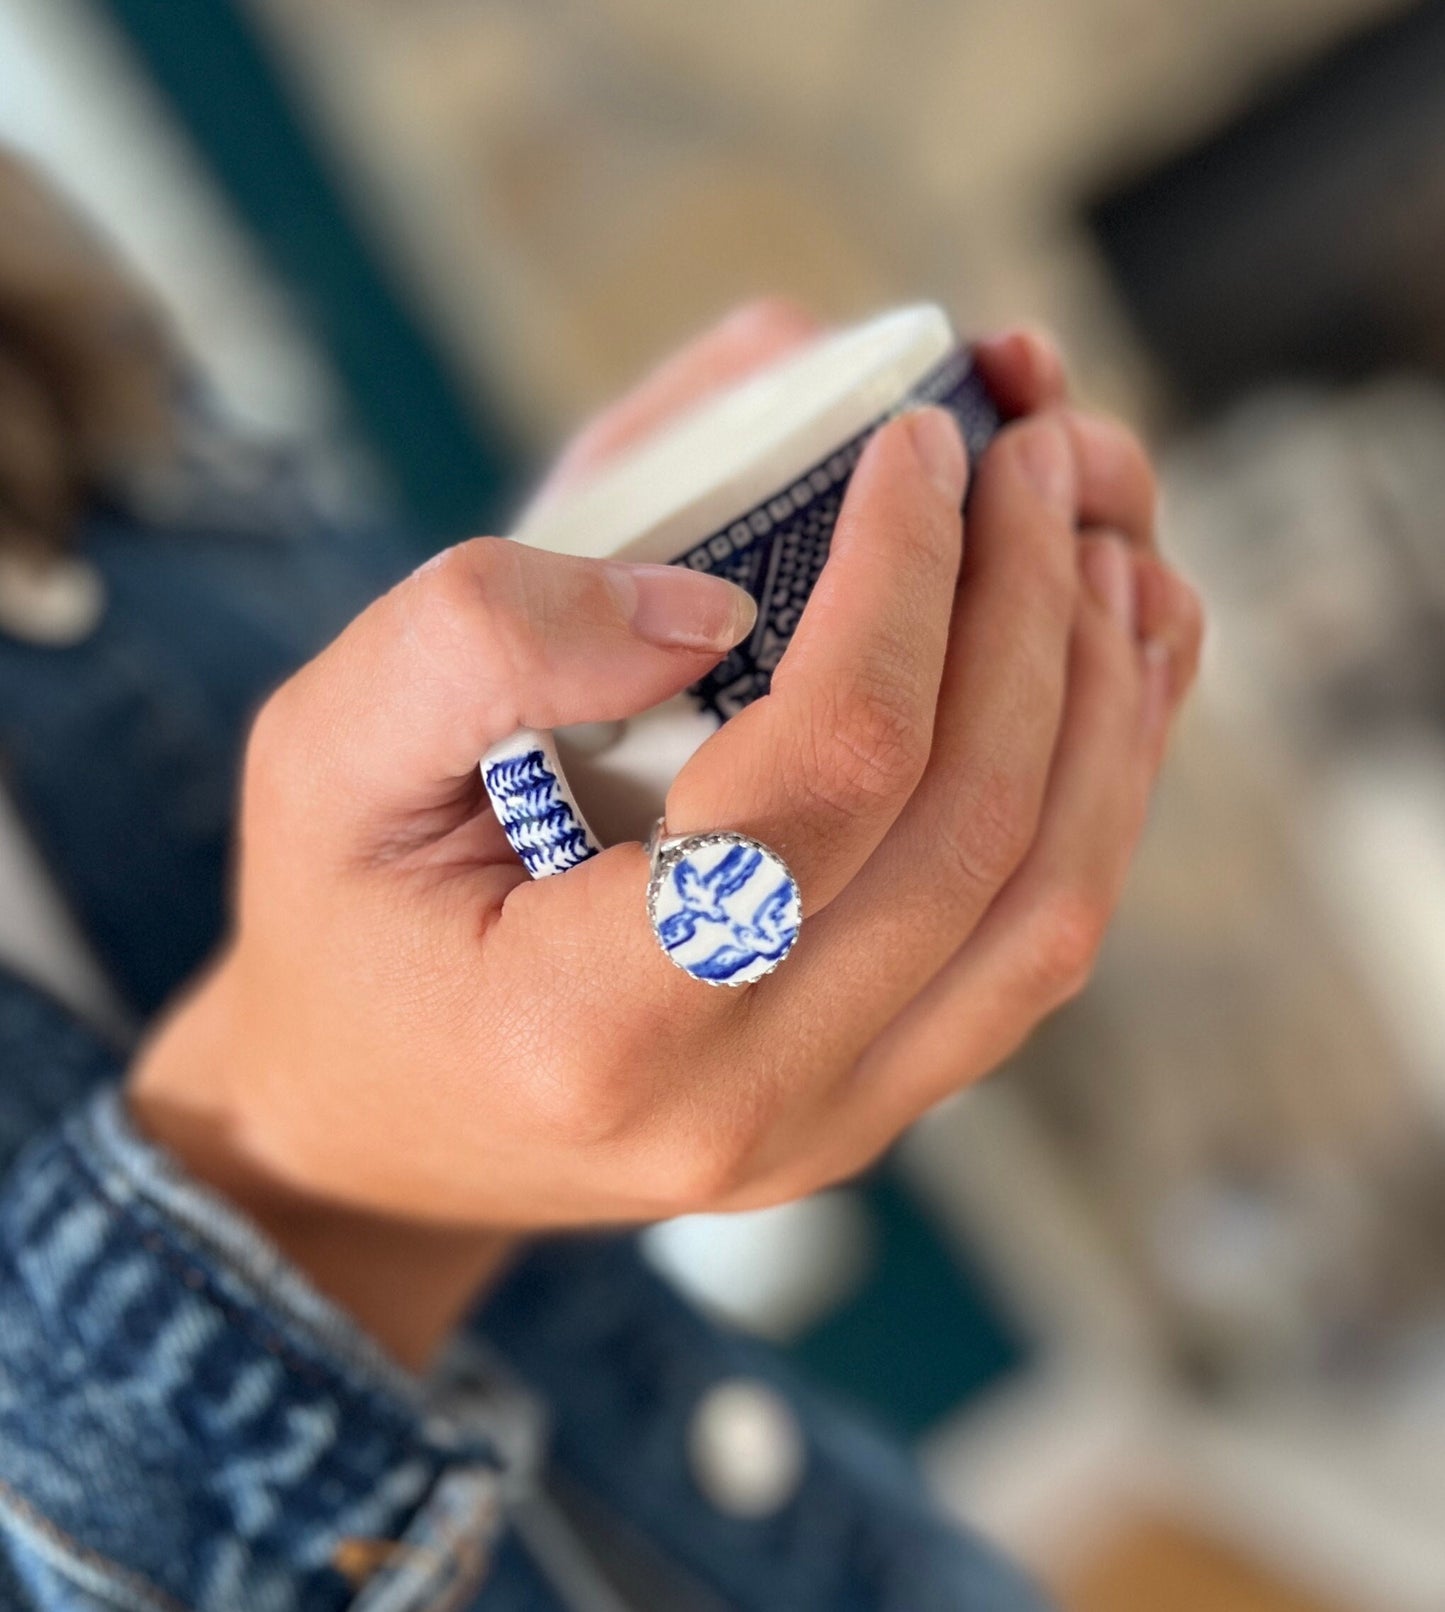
(488, 637)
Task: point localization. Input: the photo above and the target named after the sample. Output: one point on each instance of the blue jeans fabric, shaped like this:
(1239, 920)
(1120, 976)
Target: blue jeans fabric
(184, 1421)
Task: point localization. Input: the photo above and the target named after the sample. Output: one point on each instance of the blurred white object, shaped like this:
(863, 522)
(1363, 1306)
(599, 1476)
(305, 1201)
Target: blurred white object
(1379, 827)
(746, 1448)
(772, 1271)
(55, 602)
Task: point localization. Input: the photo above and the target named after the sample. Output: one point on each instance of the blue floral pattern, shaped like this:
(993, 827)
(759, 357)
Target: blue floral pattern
(725, 908)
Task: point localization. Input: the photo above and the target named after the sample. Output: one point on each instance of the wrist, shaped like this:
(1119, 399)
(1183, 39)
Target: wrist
(406, 1281)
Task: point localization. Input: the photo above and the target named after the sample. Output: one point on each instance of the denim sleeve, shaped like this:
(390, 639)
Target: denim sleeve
(184, 1423)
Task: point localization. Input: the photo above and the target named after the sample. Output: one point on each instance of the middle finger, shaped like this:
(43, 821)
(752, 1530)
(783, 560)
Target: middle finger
(973, 815)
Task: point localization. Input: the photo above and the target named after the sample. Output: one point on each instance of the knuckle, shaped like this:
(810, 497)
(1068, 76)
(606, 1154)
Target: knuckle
(1135, 467)
(1102, 654)
(1044, 568)
(705, 1152)
(1191, 611)
(460, 581)
(698, 1173)
(585, 1105)
(268, 745)
(1069, 937)
(869, 753)
(270, 727)
(1018, 443)
(1119, 457)
(923, 543)
(983, 845)
(471, 605)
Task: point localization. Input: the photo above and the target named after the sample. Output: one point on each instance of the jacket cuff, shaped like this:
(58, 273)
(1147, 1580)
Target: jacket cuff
(182, 1413)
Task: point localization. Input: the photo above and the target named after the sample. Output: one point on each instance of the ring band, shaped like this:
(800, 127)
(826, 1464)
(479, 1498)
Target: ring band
(725, 908)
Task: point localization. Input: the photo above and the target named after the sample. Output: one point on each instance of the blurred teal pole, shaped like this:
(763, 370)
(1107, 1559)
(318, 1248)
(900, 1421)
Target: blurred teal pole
(453, 462)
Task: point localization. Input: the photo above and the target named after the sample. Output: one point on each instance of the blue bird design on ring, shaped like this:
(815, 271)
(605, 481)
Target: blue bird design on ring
(767, 932)
(704, 894)
(768, 935)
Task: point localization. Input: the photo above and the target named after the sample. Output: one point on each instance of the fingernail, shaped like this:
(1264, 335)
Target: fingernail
(1048, 460)
(939, 446)
(1109, 572)
(675, 608)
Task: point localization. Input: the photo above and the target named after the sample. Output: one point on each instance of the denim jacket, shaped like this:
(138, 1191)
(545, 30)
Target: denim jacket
(184, 1421)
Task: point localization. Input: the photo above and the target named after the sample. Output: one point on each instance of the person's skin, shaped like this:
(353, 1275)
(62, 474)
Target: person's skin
(410, 1055)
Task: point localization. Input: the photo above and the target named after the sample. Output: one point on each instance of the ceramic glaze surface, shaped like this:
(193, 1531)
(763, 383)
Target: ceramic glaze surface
(725, 908)
(535, 816)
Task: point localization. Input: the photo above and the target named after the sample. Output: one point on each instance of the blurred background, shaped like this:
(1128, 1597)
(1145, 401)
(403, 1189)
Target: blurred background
(1164, 1306)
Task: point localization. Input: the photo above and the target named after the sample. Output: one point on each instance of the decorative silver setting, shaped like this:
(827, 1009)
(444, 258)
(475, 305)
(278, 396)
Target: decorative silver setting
(725, 908)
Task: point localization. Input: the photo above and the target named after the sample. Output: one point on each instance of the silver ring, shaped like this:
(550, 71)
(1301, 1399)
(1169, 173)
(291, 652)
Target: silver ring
(725, 909)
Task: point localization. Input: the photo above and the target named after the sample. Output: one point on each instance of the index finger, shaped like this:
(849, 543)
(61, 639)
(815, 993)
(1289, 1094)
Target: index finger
(821, 766)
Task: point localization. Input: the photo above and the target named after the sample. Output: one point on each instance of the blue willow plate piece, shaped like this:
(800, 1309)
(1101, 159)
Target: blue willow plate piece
(724, 907)
(776, 551)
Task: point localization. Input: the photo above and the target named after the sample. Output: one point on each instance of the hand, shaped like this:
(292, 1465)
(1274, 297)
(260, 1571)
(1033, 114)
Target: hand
(409, 1052)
